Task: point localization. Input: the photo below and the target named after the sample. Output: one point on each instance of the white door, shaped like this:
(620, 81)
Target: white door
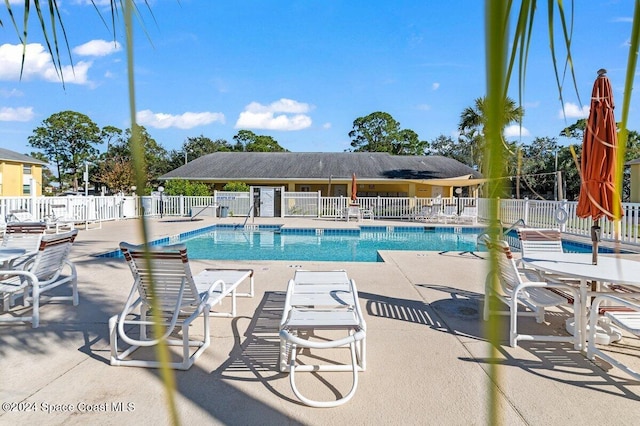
(266, 202)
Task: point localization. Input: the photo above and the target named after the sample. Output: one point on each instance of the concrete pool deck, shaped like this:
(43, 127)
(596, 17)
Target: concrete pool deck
(427, 357)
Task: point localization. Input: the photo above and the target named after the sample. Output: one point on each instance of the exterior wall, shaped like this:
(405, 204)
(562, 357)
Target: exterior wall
(365, 189)
(13, 179)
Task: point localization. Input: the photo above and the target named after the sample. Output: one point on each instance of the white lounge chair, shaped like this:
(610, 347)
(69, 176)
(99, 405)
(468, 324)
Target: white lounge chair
(61, 220)
(20, 215)
(176, 296)
(448, 214)
(625, 313)
(469, 214)
(533, 295)
(424, 214)
(47, 269)
(324, 301)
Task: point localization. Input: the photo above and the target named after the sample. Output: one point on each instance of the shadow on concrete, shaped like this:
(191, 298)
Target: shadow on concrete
(461, 314)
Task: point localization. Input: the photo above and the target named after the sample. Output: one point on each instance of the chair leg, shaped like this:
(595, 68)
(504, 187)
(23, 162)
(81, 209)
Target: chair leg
(513, 323)
(35, 319)
(324, 404)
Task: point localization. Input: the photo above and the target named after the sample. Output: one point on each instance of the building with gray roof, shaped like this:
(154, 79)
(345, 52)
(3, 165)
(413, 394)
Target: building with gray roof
(377, 173)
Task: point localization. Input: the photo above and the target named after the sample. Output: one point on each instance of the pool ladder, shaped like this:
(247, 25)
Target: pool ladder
(484, 237)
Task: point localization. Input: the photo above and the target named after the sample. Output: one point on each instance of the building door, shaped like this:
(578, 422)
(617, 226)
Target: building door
(267, 202)
(339, 190)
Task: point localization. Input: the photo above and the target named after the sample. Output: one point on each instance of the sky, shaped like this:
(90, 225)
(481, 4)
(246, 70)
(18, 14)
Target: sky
(298, 71)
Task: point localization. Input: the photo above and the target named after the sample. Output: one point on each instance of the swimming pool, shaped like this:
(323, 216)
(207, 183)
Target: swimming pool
(343, 245)
(274, 242)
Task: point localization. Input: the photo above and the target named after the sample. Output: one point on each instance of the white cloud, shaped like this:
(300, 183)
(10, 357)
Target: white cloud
(97, 48)
(326, 126)
(37, 64)
(572, 110)
(424, 107)
(515, 130)
(188, 120)
(16, 114)
(283, 114)
(435, 86)
(10, 93)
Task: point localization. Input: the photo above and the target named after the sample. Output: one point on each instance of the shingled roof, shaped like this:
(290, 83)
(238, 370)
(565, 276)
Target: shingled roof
(8, 155)
(241, 166)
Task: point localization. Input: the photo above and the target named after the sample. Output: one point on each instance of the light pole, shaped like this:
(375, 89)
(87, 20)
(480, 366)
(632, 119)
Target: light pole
(161, 189)
(555, 175)
(86, 178)
(458, 193)
(555, 172)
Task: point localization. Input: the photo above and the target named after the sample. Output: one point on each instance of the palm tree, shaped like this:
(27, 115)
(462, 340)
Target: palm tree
(472, 125)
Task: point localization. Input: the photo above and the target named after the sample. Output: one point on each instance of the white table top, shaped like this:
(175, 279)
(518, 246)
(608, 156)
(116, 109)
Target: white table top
(578, 265)
(7, 254)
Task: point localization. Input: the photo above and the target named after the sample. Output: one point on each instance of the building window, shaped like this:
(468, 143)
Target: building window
(26, 169)
(26, 189)
(305, 188)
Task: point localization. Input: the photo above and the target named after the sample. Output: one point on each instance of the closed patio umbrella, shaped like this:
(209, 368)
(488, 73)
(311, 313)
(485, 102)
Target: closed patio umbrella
(598, 195)
(354, 189)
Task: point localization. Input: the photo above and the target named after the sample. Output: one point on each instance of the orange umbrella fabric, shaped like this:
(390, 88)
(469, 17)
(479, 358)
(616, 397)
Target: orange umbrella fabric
(599, 153)
(354, 189)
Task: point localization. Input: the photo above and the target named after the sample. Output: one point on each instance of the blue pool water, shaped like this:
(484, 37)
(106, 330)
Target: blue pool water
(271, 242)
(326, 244)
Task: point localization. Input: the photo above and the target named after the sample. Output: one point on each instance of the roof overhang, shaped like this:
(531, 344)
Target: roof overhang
(465, 180)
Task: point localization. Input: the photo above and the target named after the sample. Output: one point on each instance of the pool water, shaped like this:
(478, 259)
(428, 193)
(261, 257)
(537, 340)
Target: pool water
(325, 244)
(272, 242)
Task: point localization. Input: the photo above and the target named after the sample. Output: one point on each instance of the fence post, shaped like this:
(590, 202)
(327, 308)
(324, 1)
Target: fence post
(319, 203)
(526, 211)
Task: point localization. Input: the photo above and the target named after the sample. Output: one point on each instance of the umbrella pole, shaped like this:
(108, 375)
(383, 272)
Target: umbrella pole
(595, 239)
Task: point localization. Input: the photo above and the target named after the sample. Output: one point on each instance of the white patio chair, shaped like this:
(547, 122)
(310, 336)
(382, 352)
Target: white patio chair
(47, 269)
(367, 214)
(23, 235)
(322, 301)
(625, 314)
(534, 296)
(542, 241)
(353, 212)
(176, 299)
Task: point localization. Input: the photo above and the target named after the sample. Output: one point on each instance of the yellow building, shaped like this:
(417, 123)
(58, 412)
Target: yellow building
(20, 175)
(634, 166)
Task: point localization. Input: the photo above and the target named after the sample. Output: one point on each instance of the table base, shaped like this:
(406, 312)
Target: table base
(606, 334)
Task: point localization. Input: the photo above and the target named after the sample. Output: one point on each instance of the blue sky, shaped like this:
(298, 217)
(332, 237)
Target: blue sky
(299, 71)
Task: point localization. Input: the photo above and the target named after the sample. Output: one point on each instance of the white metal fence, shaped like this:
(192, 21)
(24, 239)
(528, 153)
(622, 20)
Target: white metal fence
(534, 213)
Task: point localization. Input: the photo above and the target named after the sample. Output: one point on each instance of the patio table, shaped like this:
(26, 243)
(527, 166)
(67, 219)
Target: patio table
(579, 265)
(9, 254)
